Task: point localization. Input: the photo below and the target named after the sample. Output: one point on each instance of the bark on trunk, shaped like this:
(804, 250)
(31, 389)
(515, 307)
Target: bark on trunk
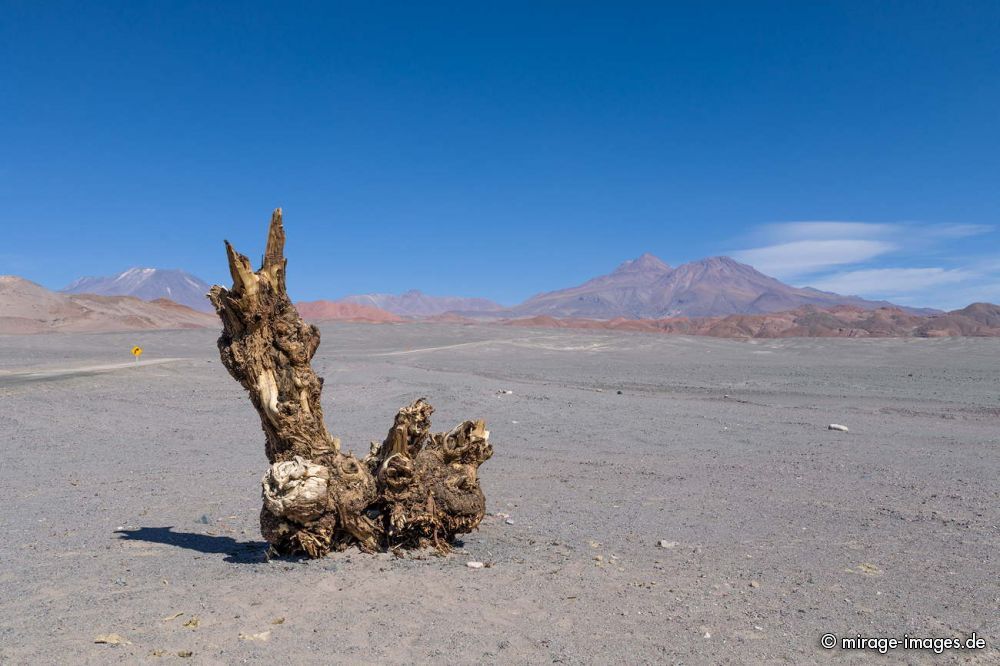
(415, 489)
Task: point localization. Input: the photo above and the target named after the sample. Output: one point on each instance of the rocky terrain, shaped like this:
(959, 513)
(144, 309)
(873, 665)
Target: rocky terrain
(978, 319)
(26, 307)
(149, 284)
(652, 499)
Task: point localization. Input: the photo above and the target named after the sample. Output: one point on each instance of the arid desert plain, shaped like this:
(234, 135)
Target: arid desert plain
(652, 499)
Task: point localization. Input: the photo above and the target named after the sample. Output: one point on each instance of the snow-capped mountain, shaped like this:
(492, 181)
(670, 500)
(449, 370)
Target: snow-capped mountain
(148, 284)
(26, 307)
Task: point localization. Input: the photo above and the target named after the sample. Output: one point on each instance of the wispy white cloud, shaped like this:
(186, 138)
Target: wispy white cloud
(788, 260)
(890, 281)
(937, 265)
(826, 230)
(956, 230)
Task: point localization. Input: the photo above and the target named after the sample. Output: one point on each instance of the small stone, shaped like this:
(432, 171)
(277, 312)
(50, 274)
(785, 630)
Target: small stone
(509, 521)
(837, 426)
(475, 565)
(663, 543)
(754, 584)
(708, 635)
(598, 558)
(619, 392)
(111, 639)
(184, 654)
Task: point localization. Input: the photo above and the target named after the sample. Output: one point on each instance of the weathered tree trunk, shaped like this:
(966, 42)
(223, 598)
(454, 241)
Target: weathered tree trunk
(416, 489)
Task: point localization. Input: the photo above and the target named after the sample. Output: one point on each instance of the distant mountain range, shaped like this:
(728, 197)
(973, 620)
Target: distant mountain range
(415, 303)
(642, 288)
(148, 284)
(716, 296)
(713, 296)
(647, 288)
(26, 307)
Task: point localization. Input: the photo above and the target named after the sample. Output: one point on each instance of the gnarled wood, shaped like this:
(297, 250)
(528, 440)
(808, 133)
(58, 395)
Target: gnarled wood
(416, 489)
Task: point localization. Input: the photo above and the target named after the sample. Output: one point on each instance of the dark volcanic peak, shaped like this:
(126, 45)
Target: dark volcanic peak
(647, 288)
(647, 263)
(148, 284)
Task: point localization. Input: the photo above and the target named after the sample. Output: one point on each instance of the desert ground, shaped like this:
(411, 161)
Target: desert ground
(132, 497)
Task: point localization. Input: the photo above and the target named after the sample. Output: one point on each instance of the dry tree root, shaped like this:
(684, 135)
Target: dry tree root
(416, 489)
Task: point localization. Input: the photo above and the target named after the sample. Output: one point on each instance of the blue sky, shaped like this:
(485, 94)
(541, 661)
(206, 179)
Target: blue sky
(506, 148)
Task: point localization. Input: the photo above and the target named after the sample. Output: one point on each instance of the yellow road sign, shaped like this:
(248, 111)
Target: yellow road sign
(137, 351)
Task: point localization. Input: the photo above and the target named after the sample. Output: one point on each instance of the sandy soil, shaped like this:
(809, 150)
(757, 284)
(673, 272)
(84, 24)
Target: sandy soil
(132, 496)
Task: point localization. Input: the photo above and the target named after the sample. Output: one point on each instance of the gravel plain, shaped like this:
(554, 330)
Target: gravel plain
(653, 499)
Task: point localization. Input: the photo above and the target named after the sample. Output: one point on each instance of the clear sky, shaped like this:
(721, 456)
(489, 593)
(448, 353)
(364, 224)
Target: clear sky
(501, 149)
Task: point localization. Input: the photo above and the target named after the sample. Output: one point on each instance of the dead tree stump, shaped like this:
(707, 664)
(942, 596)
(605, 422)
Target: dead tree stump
(416, 489)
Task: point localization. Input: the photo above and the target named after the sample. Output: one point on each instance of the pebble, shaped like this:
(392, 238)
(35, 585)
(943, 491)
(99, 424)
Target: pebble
(837, 426)
(663, 543)
(475, 565)
(111, 639)
(509, 521)
(619, 392)
(754, 584)
(598, 558)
